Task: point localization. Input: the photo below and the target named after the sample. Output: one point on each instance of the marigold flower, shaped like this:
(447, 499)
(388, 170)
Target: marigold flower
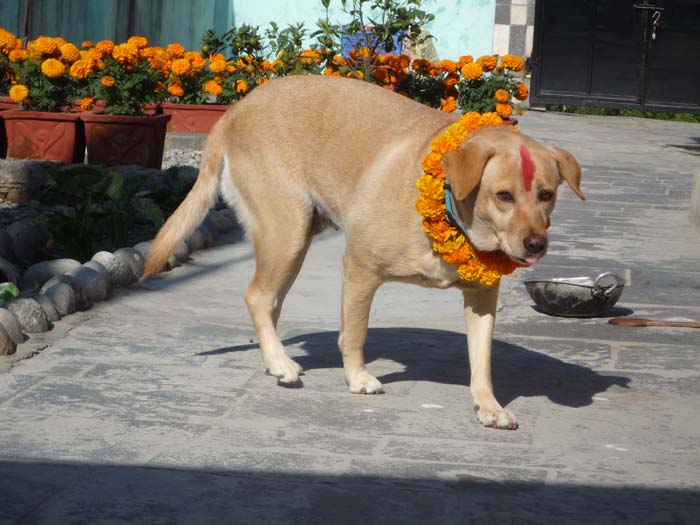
(502, 96)
(449, 66)
(512, 62)
(439, 230)
(81, 69)
(521, 91)
(43, 46)
(139, 41)
(104, 48)
(432, 164)
(488, 119)
(472, 71)
(420, 63)
(125, 54)
(52, 68)
(8, 41)
(19, 93)
(450, 80)
(69, 53)
(449, 105)
(339, 61)
(241, 87)
(487, 62)
(176, 90)
(465, 59)
(87, 44)
(430, 209)
(212, 87)
(196, 60)
(217, 66)
(18, 55)
(431, 188)
(160, 60)
(107, 81)
(87, 103)
(176, 50)
(180, 66)
(504, 110)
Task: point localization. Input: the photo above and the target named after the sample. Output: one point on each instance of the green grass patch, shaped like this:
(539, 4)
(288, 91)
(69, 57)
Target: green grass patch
(660, 115)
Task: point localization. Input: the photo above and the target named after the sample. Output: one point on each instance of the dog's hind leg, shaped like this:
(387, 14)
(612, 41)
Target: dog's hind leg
(359, 287)
(279, 253)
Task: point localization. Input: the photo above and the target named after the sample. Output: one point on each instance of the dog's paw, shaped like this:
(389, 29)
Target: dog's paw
(365, 383)
(498, 418)
(285, 370)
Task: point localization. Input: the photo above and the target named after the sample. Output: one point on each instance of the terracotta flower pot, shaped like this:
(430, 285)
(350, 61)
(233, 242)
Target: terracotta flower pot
(3, 138)
(5, 103)
(44, 135)
(193, 118)
(117, 139)
(8, 103)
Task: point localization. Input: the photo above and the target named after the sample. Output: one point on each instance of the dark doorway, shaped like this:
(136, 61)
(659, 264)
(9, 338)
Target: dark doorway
(618, 53)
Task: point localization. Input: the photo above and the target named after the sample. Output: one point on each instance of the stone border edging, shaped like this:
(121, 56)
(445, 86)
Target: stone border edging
(66, 286)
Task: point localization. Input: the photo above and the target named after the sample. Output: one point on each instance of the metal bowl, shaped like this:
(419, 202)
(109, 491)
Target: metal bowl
(576, 296)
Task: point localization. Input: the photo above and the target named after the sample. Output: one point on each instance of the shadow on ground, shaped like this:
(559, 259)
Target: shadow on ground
(440, 356)
(44, 492)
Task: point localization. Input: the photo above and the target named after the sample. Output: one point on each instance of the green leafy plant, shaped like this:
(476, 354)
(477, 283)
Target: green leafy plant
(8, 291)
(91, 204)
(375, 27)
(236, 43)
(292, 58)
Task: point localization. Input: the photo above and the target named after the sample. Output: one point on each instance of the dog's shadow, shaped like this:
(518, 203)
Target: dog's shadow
(440, 356)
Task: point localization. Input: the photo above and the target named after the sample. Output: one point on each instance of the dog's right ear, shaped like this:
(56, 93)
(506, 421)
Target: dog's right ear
(464, 166)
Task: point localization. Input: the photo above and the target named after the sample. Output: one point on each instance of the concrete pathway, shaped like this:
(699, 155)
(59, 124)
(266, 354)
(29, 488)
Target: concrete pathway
(151, 408)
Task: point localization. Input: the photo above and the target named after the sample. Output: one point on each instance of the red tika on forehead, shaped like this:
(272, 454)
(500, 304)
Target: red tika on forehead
(528, 167)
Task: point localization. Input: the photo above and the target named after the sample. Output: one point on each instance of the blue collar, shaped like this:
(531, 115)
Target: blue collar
(452, 213)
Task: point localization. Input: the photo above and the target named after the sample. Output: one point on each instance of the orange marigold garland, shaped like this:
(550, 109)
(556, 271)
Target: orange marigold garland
(485, 268)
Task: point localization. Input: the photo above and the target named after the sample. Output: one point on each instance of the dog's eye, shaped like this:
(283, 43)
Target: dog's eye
(546, 195)
(505, 196)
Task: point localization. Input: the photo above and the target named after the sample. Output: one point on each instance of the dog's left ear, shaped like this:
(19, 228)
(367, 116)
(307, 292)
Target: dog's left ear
(465, 165)
(569, 169)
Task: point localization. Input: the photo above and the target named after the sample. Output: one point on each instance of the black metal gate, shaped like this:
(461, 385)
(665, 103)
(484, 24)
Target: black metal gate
(637, 54)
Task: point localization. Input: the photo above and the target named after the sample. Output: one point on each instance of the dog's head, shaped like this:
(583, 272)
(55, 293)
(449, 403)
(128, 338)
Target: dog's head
(506, 185)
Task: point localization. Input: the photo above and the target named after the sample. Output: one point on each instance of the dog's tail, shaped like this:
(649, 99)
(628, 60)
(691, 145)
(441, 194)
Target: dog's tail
(193, 209)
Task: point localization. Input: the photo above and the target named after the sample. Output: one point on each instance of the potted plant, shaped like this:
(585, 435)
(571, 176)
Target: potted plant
(488, 85)
(43, 127)
(194, 86)
(124, 78)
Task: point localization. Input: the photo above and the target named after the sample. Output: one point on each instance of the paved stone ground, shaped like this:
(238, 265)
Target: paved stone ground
(151, 408)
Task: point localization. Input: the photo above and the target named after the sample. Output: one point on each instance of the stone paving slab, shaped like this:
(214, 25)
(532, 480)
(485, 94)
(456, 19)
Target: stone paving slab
(152, 407)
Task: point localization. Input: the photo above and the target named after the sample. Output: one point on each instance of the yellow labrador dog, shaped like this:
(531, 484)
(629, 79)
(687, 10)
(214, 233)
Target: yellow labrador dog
(304, 152)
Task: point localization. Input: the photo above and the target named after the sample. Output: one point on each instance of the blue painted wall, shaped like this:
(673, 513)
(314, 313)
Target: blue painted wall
(460, 26)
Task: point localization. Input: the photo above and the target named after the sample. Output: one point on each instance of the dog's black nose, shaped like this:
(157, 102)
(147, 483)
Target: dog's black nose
(535, 244)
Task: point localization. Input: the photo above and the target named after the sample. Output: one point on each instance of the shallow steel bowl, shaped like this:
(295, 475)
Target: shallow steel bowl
(576, 296)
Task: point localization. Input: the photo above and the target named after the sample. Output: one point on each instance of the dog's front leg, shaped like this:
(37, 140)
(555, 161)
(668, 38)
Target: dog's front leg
(480, 315)
(359, 286)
